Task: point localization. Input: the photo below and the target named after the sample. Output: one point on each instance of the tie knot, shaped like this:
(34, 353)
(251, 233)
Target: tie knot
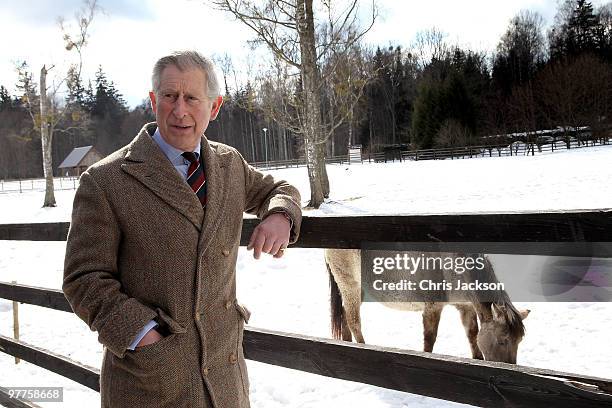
(191, 156)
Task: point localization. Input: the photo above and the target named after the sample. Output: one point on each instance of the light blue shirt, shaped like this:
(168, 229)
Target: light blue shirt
(173, 154)
(181, 165)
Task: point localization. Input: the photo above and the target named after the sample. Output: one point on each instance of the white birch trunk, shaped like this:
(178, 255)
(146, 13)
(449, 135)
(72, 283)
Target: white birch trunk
(310, 77)
(46, 137)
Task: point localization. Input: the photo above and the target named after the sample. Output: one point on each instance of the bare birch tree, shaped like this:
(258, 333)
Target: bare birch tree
(48, 110)
(288, 29)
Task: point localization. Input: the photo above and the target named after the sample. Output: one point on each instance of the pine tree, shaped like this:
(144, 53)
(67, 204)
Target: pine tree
(579, 33)
(583, 28)
(519, 53)
(5, 99)
(447, 94)
(76, 92)
(604, 36)
(108, 111)
(106, 101)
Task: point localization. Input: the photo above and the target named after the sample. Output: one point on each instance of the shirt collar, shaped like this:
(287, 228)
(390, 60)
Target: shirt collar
(172, 153)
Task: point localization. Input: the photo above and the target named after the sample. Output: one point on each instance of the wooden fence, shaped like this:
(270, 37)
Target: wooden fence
(450, 153)
(450, 378)
(20, 186)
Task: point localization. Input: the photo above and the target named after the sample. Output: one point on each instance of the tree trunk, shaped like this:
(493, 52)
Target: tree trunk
(281, 130)
(370, 133)
(46, 137)
(323, 170)
(312, 109)
(351, 142)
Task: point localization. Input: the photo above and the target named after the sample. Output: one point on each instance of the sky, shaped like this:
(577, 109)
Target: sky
(128, 36)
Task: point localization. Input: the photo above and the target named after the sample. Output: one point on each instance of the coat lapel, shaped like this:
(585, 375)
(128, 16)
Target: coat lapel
(216, 167)
(147, 163)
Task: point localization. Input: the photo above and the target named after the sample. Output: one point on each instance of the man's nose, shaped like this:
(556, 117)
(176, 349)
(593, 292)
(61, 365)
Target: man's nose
(180, 107)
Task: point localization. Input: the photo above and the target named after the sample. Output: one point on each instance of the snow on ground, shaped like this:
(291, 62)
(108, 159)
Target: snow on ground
(291, 294)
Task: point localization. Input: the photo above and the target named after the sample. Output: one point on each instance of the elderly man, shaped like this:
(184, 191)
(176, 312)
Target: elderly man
(152, 247)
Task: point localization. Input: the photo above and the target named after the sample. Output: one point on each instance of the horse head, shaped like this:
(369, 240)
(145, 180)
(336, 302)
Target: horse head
(501, 331)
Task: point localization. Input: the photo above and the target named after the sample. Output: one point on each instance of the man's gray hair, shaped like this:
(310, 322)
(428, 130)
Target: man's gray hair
(184, 60)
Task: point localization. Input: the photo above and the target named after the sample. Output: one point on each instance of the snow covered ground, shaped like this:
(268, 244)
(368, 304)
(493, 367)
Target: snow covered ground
(570, 337)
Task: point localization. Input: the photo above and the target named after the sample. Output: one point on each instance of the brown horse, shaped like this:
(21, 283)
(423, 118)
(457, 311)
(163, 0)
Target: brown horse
(501, 324)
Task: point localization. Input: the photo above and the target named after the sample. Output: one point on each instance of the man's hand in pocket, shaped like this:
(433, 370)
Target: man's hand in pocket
(151, 337)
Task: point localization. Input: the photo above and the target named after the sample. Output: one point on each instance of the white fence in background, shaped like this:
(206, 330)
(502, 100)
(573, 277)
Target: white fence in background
(21, 186)
(517, 148)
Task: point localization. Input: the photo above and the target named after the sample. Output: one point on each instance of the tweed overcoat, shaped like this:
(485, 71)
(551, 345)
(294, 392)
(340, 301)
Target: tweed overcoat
(140, 246)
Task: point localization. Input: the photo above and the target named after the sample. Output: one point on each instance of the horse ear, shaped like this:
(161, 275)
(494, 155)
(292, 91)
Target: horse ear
(524, 313)
(499, 312)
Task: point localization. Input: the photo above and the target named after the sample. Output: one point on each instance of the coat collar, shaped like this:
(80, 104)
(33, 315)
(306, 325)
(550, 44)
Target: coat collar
(146, 162)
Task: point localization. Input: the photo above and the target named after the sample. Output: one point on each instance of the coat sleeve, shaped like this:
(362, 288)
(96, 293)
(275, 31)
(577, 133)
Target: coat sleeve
(265, 195)
(91, 279)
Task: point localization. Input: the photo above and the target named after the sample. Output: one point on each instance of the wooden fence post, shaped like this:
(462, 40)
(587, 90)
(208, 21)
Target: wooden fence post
(16, 323)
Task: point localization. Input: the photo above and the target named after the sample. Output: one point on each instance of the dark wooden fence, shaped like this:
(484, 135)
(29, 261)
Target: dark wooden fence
(456, 379)
(517, 148)
(450, 153)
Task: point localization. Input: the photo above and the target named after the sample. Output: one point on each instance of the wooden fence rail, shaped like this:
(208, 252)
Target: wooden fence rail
(579, 227)
(451, 378)
(450, 153)
(458, 152)
(496, 150)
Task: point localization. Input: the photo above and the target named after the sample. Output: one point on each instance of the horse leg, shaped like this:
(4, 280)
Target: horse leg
(352, 314)
(345, 301)
(431, 320)
(345, 293)
(346, 331)
(470, 324)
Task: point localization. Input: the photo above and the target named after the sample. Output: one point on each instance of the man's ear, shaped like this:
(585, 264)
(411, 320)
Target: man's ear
(216, 106)
(153, 101)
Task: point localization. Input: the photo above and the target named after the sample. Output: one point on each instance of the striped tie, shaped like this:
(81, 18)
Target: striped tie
(195, 176)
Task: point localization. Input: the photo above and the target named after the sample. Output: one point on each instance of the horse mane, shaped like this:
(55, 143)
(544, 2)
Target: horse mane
(502, 300)
(514, 319)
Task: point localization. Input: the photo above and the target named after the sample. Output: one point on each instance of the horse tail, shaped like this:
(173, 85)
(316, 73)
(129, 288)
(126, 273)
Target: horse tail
(335, 305)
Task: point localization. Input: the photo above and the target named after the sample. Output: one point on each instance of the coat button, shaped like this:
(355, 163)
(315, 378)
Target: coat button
(228, 304)
(205, 371)
(226, 252)
(233, 358)
(197, 317)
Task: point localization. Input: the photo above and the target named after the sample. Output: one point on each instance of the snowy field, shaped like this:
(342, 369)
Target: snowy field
(291, 294)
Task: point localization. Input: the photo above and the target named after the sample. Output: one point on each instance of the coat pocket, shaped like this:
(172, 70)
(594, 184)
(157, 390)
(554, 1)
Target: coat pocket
(244, 312)
(150, 354)
(154, 355)
(146, 360)
(172, 325)
(149, 374)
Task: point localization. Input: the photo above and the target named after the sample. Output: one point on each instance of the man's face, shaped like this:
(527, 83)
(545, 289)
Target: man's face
(182, 107)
